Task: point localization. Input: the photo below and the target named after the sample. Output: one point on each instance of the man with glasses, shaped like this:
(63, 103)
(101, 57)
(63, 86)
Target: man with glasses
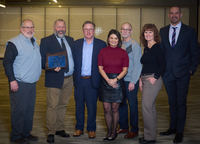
(22, 63)
(131, 84)
(86, 78)
(58, 80)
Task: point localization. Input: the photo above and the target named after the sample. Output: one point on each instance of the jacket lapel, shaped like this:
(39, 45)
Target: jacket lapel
(180, 36)
(57, 44)
(167, 35)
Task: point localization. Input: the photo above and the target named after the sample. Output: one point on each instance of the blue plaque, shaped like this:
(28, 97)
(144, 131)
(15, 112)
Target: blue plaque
(56, 60)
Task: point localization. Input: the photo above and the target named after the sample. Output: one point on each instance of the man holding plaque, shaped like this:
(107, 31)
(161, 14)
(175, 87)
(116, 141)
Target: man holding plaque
(57, 60)
(86, 78)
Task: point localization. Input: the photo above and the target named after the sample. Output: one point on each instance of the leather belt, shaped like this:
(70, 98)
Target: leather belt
(85, 77)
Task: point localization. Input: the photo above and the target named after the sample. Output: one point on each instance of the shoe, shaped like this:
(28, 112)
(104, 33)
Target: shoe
(91, 134)
(32, 138)
(105, 139)
(178, 138)
(62, 133)
(77, 133)
(112, 137)
(168, 132)
(50, 138)
(130, 135)
(143, 141)
(20, 141)
(119, 131)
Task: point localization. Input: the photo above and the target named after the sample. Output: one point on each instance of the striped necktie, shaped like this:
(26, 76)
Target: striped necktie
(174, 37)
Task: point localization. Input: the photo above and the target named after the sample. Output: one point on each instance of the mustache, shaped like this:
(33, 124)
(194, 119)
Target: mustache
(60, 33)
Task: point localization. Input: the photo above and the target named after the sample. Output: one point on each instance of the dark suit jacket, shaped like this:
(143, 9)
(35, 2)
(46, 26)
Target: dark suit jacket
(182, 59)
(51, 45)
(95, 76)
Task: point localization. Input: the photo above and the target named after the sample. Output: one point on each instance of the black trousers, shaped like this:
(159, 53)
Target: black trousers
(177, 90)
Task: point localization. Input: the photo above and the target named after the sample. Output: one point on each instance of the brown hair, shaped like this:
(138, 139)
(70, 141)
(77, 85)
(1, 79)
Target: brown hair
(151, 27)
(117, 33)
(88, 22)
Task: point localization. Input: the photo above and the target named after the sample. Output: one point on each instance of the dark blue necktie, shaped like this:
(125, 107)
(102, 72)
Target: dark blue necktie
(174, 37)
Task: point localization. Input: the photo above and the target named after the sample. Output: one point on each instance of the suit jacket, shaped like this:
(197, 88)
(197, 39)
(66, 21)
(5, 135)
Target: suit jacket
(51, 45)
(78, 53)
(183, 58)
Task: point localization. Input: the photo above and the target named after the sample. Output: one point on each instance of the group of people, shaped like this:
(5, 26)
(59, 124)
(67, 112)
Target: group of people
(112, 72)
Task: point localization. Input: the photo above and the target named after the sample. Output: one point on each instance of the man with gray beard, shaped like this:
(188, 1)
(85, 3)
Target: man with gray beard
(57, 80)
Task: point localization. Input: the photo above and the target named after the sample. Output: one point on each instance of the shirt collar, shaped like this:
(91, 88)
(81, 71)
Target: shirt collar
(177, 26)
(86, 41)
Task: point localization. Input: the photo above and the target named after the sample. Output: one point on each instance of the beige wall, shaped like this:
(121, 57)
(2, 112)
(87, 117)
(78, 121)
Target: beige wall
(105, 18)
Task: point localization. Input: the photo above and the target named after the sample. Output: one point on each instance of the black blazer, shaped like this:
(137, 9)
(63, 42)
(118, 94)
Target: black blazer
(51, 45)
(95, 76)
(182, 59)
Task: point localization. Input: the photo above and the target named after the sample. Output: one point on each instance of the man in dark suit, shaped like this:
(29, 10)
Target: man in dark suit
(179, 43)
(86, 78)
(58, 80)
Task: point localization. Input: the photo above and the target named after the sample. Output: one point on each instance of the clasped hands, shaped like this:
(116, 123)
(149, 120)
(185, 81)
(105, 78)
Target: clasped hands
(112, 82)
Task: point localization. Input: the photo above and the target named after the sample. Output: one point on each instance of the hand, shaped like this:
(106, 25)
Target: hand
(140, 84)
(131, 86)
(57, 69)
(14, 86)
(112, 83)
(152, 80)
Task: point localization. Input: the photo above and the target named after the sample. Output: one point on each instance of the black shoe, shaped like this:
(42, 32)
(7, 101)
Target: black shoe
(178, 138)
(112, 137)
(143, 141)
(62, 133)
(20, 141)
(50, 138)
(32, 138)
(168, 132)
(105, 139)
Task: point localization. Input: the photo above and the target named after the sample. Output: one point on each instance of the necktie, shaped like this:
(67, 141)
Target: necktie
(174, 37)
(67, 60)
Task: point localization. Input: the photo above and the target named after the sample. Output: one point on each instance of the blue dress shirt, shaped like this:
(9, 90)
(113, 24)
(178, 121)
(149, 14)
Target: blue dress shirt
(70, 58)
(87, 58)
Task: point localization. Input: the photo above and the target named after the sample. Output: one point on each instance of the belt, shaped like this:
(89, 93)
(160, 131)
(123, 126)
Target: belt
(85, 77)
(67, 76)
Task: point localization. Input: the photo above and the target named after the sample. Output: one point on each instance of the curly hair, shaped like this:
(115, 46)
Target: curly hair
(150, 27)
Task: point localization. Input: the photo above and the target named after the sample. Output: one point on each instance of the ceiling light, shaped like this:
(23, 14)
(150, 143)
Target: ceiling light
(3, 5)
(55, 1)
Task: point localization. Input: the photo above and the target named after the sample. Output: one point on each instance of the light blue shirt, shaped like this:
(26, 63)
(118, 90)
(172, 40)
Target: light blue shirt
(171, 30)
(70, 57)
(87, 58)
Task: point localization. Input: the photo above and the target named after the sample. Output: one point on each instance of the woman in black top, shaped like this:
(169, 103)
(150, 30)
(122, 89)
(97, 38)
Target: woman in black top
(150, 81)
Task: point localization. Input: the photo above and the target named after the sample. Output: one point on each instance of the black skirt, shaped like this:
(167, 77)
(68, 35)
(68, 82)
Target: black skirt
(109, 94)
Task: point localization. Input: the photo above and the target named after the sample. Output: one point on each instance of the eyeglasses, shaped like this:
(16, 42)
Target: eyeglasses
(126, 29)
(28, 27)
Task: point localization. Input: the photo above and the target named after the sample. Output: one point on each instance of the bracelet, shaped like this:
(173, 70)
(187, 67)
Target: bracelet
(117, 78)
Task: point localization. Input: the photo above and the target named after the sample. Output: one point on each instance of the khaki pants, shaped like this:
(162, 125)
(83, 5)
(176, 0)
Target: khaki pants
(149, 94)
(57, 100)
